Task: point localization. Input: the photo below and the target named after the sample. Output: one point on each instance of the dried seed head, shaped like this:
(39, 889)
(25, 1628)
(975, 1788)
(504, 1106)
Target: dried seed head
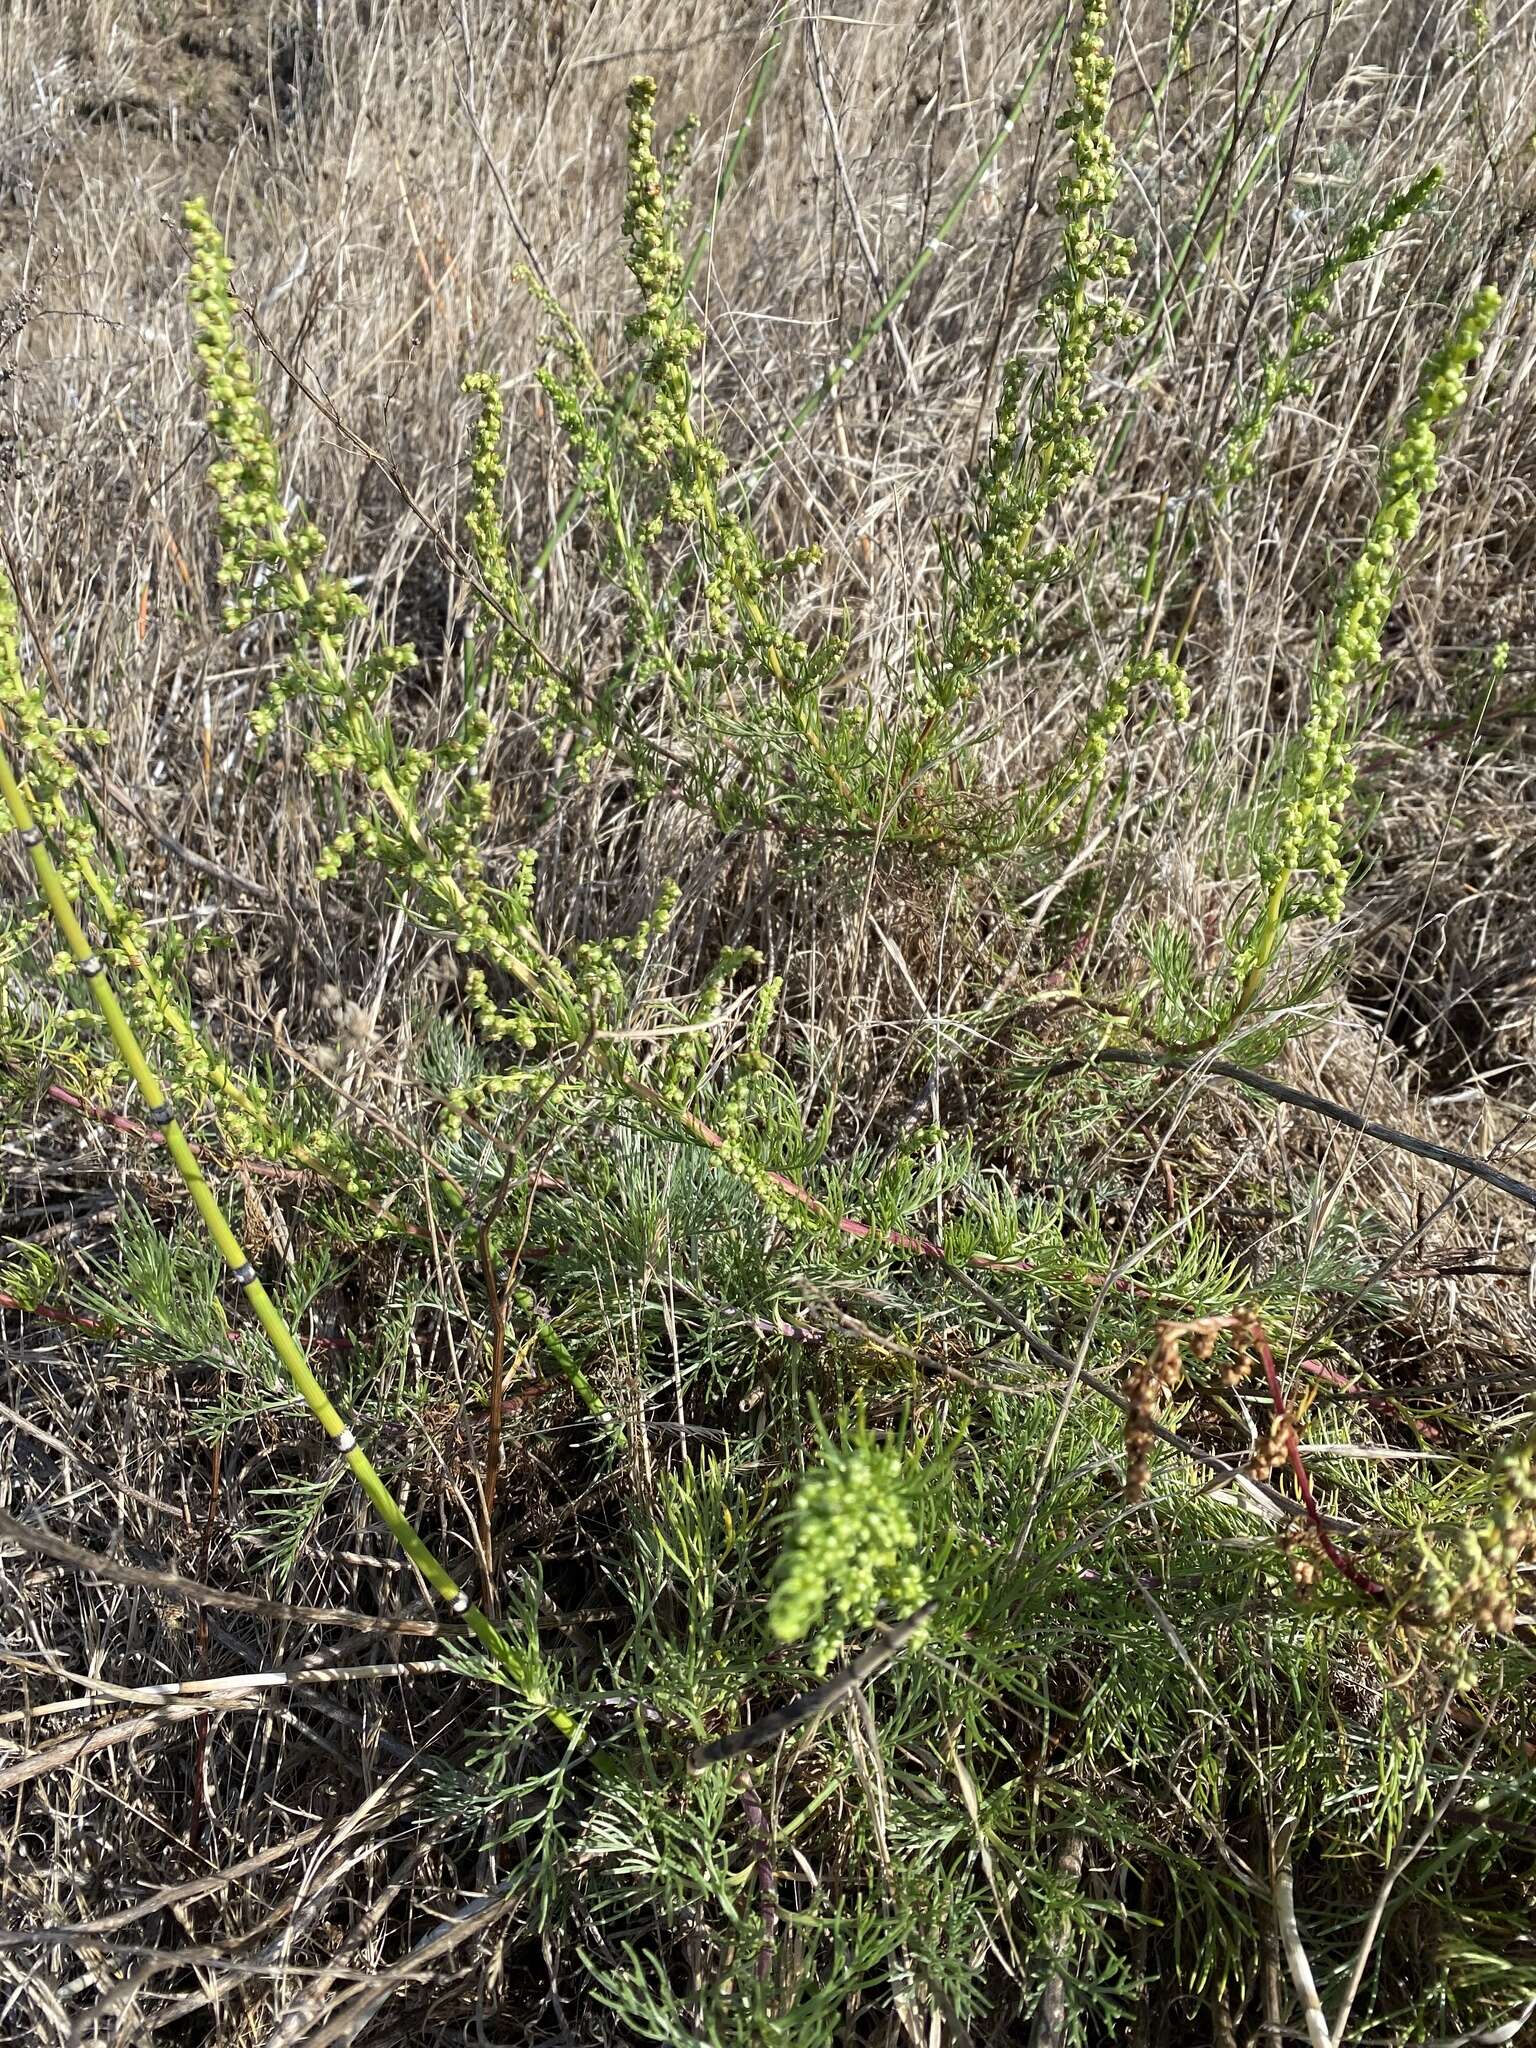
(1303, 1555)
(1273, 1447)
(1148, 1385)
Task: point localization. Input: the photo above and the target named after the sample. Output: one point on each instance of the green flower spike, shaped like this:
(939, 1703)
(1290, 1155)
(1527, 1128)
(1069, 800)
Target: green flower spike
(849, 1550)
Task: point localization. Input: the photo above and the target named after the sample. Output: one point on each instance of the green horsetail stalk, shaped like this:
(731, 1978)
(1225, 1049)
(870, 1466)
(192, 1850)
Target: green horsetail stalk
(160, 1113)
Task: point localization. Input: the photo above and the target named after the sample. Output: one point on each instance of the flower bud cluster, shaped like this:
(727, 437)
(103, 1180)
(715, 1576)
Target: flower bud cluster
(44, 743)
(1086, 764)
(849, 1550)
(661, 326)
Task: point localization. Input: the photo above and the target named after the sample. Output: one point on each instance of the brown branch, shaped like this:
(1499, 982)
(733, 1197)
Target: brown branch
(819, 1700)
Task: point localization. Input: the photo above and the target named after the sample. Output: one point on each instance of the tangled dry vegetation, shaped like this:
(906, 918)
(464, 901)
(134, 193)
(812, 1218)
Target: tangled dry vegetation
(791, 1296)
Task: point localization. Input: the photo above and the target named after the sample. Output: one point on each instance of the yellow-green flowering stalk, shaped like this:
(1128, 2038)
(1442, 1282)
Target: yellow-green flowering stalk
(649, 467)
(334, 685)
(40, 739)
(1475, 1582)
(519, 1668)
(44, 748)
(749, 636)
(338, 694)
(1084, 768)
(851, 1540)
(486, 527)
(662, 327)
(268, 556)
(1043, 439)
(572, 1012)
(1317, 790)
(1307, 332)
(705, 613)
(601, 429)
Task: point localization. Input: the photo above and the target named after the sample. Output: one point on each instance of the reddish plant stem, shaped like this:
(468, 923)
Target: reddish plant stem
(99, 1115)
(1326, 1544)
(767, 1883)
(130, 1129)
(63, 1316)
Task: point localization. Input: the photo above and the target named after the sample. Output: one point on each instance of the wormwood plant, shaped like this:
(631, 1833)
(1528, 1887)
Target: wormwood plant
(1069, 1779)
(571, 1022)
(1283, 374)
(419, 819)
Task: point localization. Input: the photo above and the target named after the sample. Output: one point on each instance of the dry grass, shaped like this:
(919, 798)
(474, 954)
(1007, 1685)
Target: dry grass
(259, 1864)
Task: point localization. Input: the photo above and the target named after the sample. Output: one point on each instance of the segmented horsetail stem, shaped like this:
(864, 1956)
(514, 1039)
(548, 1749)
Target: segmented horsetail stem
(161, 1114)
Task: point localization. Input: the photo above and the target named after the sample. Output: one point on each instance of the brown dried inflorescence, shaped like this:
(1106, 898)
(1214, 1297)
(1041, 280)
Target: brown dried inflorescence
(1303, 1554)
(1151, 1382)
(1274, 1446)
